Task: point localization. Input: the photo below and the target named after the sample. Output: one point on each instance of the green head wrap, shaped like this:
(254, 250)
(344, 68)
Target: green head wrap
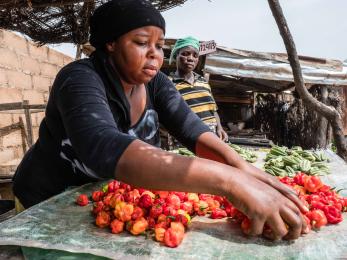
(184, 42)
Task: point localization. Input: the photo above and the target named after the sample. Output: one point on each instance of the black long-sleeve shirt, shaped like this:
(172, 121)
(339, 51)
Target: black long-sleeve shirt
(83, 135)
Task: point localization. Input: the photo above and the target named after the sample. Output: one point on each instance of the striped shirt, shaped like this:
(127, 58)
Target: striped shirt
(198, 97)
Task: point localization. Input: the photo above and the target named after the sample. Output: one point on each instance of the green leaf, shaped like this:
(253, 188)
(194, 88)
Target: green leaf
(105, 188)
(338, 191)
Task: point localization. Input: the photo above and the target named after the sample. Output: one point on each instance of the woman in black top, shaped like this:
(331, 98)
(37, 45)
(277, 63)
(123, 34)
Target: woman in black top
(102, 122)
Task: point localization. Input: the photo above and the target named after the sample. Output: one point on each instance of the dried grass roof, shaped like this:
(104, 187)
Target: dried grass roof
(56, 21)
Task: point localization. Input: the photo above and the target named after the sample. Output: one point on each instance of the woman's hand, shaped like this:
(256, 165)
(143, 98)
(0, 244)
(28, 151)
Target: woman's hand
(275, 183)
(210, 147)
(263, 204)
(219, 130)
(221, 133)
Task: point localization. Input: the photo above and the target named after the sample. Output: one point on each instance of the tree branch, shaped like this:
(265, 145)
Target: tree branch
(329, 112)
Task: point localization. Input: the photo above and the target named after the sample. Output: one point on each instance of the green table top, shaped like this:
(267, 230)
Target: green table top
(59, 225)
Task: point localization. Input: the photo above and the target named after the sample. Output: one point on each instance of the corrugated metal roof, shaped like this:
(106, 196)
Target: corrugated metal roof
(274, 67)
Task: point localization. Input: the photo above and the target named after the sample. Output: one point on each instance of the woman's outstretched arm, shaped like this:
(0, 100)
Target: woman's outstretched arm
(149, 167)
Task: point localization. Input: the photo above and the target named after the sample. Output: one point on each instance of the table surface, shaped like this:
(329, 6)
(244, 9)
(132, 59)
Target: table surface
(58, 224)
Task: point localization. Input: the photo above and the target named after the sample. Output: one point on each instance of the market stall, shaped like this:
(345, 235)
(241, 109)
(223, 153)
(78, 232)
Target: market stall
(240, 79)
(245, 75)
(57, 228)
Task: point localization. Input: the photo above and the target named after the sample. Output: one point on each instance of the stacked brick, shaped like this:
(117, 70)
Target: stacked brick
(26, 73)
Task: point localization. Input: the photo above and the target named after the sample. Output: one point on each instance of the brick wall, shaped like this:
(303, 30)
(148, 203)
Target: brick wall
(26, 73)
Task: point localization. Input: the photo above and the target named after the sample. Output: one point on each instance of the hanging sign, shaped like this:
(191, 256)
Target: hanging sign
(207, 47)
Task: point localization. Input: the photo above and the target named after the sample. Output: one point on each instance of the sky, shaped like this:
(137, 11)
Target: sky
(319, 27)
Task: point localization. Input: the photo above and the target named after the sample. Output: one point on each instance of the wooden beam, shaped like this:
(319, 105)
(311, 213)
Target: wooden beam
(225, 82)
(28, 123)
(20, 105)
(10, 128)
(25, 142)
(233, 100)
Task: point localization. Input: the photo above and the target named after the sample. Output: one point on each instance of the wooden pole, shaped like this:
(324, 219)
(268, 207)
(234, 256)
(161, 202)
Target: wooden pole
(78, 51)
(19, 105)
(24, 135)
(29, 123)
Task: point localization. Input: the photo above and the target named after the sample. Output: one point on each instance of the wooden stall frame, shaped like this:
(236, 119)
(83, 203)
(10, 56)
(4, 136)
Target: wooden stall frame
(28, 135)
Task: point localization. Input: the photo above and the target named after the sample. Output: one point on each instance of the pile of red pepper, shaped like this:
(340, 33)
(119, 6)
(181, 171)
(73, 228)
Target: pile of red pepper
(167, 215)
(325, 204)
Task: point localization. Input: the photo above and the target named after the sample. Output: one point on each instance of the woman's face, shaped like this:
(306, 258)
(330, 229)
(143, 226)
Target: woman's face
(187, 59)
(138, 54)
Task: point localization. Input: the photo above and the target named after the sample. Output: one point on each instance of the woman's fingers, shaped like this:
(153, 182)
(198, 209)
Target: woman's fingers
(290, 194)
(269, 201)
(298, 202)
(257, 226)
(279, 186)
(295, 209)
(294, 222)
(225, 136)
(282, 188)
(306, 226)
(278, 227)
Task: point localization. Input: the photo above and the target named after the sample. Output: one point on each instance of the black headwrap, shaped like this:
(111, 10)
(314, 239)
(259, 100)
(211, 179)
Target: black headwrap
(117, 17)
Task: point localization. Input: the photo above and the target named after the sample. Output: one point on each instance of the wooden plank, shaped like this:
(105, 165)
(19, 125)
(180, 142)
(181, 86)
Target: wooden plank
(20, 105)
(25, 142)
(15, 127)
(10, 128)
(265, 86)
(28, 123)
(232, 100)
(11, 106)
(240, 86)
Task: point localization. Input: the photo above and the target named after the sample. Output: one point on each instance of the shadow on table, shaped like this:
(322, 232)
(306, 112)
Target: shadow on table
(229, 230)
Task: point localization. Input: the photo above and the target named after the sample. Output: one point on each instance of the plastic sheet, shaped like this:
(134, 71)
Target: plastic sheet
(61, 225)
